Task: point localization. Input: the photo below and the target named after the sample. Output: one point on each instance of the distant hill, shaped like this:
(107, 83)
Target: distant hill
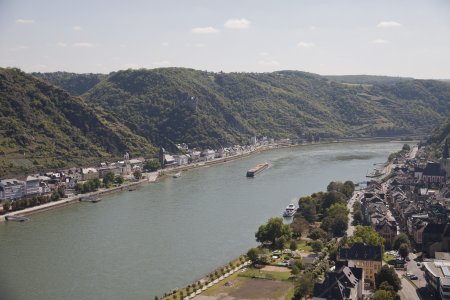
(213, 109)
(75, 84)
(132, 110)
(367, 79)
(45, 127)
(441, 137)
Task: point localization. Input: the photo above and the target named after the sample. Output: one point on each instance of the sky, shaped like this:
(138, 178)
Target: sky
(335, 37)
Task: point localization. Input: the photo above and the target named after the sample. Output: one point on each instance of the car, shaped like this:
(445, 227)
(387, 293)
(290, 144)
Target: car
(413, 277)
(407, 258)
(418, 264)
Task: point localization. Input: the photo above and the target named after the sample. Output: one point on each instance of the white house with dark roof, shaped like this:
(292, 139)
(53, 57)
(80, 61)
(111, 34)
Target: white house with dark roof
(32, 186)
(11, 189)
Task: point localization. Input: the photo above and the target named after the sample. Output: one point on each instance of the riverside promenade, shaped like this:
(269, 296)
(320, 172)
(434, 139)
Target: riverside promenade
(149, 177)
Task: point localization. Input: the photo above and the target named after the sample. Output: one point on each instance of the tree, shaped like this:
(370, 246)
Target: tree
(358, 217)
(317, 233)
(403, 250)
(406, 147)
(137, 174)
(119, 179)
(402, 238)
(273, 230)
(336, 219)
(6, 206)
(298, 226)
(108, 179)
(307, 208)
(332, 198)
(252, 254)
(152, 165)
(298, 264)
(304, 285)
(389, 275)
(368, 235)
(316, 245)
(383, 295)
(293, 245)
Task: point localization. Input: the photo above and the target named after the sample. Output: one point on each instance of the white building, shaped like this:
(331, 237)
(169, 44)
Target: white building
(32, 186)
(208, 154)
(11, 189)
(181, 159)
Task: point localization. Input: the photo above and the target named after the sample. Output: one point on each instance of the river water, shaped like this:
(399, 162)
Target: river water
(136, 245)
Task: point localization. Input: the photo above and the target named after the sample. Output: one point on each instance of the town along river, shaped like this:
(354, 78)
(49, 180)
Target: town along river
(136, 245)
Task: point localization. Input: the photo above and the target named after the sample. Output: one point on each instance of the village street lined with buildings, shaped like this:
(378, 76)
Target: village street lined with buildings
(43, 185)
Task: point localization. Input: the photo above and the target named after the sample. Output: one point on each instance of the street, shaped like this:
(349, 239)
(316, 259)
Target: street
(409, 291)
(355, 197)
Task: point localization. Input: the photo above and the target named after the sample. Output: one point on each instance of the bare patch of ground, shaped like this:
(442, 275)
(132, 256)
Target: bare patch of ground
(275, 269)
(247, 288)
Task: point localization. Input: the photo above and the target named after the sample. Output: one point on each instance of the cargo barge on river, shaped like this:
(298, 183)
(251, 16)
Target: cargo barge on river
(258, 169)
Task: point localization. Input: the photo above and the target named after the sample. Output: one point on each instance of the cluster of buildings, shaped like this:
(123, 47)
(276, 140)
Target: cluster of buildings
(377, 213)
(437, 274)
(43, 184)
(419, 196)
(354, 270)
(195, 155)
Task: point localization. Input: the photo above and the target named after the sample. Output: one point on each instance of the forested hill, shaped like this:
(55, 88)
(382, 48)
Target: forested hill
(132, 110)
(75, 84)
(441, 138)
(43, 127)
(213, 109)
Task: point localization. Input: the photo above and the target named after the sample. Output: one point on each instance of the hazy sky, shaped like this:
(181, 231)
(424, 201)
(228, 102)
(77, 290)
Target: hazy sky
(397, 38)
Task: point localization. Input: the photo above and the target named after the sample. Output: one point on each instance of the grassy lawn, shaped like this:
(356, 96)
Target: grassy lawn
(257, 273)
(239, 287)
(387, 258)
(303, 246)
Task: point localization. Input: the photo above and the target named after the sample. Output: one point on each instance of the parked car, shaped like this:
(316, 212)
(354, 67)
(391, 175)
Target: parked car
(407, 258)
(413, 277)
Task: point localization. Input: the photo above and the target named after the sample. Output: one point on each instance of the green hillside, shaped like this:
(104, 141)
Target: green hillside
(132, 110)
(75, 84)
(44, 127)
(213, 109)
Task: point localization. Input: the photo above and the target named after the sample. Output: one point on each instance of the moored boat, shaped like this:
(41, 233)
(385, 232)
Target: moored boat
(258, 169)
(16, 218)
(176, 175)
(290, 210)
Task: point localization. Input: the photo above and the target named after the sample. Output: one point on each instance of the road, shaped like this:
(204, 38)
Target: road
(409, 291)
(357, 195)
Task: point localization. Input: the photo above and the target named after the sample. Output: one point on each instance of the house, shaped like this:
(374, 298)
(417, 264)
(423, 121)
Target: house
(387, 228)
(433, 173)
(437, 275)
(364, 256)
(136, 163)
(32, 186)
(344, 283)
(168, 160)
(89, 173)
(416, 225)
(11, 189)
(208, 154)
(181, 159)
(435, 238)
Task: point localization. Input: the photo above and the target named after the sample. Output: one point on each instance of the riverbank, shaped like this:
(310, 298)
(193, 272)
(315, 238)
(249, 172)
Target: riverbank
(151, 177)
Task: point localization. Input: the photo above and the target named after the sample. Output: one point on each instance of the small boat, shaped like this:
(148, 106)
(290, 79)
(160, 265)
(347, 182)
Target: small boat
(258, 169)
(90, 199)
(16, 218)
(176, 175)
(290, 210)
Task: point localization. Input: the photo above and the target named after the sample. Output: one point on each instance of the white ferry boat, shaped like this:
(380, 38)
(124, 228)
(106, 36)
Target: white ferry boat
(290, 210)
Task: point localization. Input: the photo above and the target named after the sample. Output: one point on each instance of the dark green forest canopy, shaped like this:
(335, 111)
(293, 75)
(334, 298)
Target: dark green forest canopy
(132, 110)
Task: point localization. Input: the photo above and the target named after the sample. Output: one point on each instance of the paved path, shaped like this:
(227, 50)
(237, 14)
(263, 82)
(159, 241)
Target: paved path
(355, 197)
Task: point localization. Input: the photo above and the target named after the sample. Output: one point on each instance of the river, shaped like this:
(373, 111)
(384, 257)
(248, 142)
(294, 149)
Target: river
(136, 245)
